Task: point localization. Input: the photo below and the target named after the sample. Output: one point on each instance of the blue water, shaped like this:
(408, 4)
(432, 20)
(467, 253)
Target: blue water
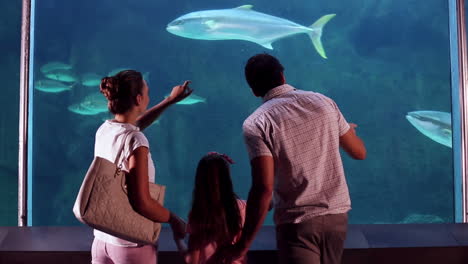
(384, 60)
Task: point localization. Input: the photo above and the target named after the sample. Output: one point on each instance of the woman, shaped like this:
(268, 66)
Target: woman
(127, 95)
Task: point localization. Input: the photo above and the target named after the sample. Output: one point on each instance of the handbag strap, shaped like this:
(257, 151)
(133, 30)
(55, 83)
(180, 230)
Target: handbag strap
(119, 153)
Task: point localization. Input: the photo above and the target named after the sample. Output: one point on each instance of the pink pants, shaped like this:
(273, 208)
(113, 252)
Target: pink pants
(105, 253)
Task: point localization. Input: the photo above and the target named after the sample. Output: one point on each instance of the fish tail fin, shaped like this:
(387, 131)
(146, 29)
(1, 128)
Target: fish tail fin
(316, 33)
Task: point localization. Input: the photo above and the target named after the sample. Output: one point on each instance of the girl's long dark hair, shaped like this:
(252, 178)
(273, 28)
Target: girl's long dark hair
(215, 215)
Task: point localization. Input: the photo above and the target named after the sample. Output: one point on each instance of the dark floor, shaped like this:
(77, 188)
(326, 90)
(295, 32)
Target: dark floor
(365, 244)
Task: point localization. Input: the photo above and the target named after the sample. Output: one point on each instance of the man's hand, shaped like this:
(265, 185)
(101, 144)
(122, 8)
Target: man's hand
(352, 144)
(180, 92)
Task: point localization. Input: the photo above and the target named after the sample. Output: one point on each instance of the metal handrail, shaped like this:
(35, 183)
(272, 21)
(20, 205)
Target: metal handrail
(24, 114)
(463, 82)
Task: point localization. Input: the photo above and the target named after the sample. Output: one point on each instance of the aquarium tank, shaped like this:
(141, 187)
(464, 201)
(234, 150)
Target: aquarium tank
(385, 63)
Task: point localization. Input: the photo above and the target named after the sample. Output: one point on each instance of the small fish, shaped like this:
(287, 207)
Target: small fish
(78, 109)
(117, 70)
(62, 75)
(51, 86)
(91, 79)
(243, 23)
(95, 102)
(433, 124)
(92, 104)
(422, 218)
(55, 65)
(192, 99)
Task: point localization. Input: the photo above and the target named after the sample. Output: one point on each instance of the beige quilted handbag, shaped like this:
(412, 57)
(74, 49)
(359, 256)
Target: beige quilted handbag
(103, 204)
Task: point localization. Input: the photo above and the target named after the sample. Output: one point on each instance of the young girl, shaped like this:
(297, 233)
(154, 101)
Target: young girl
(217, 214)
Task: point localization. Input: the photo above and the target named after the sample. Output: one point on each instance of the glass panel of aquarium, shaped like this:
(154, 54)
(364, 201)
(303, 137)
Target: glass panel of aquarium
(385, 63)
(10, 44)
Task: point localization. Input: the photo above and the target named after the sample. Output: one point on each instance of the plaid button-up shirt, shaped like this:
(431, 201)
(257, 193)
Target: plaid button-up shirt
(300, 130)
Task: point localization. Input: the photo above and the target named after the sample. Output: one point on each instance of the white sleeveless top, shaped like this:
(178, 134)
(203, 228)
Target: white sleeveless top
(109, 138)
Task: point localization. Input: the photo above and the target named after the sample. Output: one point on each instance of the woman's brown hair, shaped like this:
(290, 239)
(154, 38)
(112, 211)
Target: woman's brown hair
(121, 90)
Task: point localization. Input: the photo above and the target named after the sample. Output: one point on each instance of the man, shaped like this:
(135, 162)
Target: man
(293, 140)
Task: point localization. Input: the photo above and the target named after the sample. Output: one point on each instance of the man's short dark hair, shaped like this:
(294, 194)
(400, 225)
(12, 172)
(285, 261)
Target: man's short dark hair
(263, 72)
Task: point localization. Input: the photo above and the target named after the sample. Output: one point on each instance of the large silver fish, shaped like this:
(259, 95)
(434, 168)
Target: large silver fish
(243, 23)
(433, 124)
